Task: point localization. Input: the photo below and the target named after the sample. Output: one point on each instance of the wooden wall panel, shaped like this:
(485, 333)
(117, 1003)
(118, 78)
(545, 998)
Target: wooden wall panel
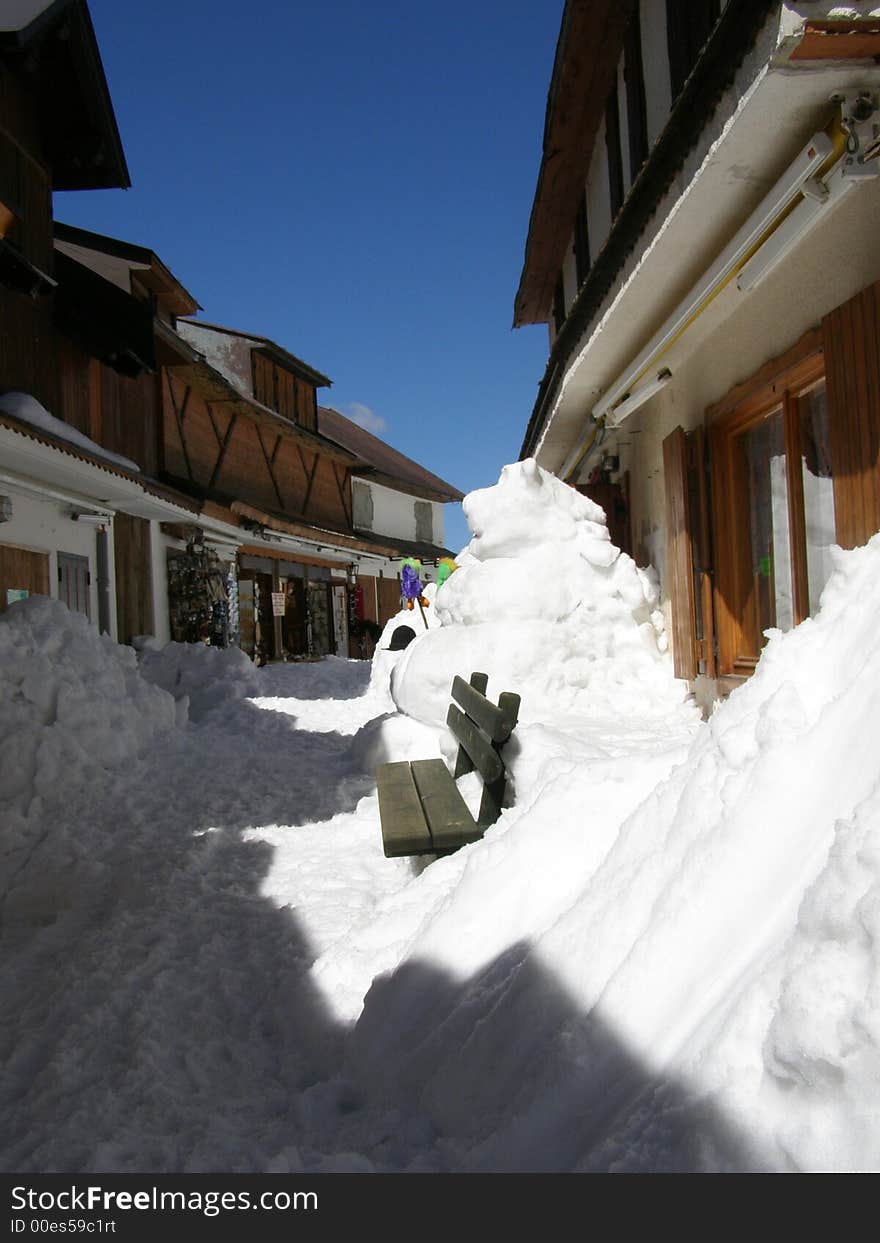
(264, 380)
(679, 555)
(851, 337)
(134, 584)
(389, 599)
(306, 412)
(19, 115)
(285, 388)
(250, 462)
(174, 459)
(20, 568)
(74, 381)
(244, 474)
(330, 501)
(368, 587)
(128, 417)
(27, 348)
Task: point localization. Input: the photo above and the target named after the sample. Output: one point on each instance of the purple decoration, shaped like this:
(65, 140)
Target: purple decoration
(410, 584)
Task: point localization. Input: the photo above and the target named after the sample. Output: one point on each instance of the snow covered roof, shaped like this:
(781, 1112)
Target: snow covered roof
(386, 465)
(38, 446)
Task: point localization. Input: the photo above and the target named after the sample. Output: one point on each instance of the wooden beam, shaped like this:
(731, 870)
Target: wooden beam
(310, 476)
(268, 462)
(847, 39)
(346, 509)
(224, 445)
(179, 415)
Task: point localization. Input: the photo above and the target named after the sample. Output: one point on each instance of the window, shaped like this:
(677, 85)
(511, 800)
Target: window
(774, 510)
(688, 26)
(581, 242)
(559, 304)
(636, 106)
(612, 140)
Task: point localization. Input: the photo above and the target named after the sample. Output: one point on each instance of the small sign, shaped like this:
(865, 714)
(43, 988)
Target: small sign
(13, 594)
(277, 603)
(764, 567)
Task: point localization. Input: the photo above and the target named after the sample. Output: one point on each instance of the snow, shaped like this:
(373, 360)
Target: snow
(663, 956)
(26, 408)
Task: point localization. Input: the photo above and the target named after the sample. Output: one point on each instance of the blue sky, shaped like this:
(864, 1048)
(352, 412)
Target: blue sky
(353, 180)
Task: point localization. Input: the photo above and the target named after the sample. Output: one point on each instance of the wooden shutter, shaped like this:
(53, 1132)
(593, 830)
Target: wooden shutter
(679, 555)
(22, 570)
(851, 339)
(134, 582)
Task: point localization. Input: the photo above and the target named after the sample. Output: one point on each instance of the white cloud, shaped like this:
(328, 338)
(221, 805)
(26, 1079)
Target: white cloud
(365, 417)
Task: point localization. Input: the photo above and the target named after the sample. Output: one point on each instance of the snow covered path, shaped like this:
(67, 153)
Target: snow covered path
(187, 943)
(159, 1011)
(665, 955)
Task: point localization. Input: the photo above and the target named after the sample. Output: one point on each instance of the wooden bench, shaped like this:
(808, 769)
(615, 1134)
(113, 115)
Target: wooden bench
(420, 806)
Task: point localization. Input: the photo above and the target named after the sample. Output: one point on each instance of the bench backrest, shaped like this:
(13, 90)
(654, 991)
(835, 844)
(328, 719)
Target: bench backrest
(481, 730)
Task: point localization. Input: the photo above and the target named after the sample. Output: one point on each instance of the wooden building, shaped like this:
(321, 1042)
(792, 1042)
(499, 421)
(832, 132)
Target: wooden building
(703, 248)
(162, 475)
(243, 428)
(76, 353)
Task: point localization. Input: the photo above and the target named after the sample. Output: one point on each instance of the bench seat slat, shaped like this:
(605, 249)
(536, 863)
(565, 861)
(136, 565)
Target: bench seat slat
(485, 758)
(404, 830)
(446, 812)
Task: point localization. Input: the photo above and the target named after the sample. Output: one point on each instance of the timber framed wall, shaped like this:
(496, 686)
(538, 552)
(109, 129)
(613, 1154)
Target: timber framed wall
(218, 452)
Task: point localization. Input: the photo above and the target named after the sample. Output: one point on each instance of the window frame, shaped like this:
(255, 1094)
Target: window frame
(778, 387)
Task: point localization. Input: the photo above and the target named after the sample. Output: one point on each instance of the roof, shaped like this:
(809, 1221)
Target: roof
(406, 548)
(57, 45)
(365, 541)
(734, 34)
(115, 260)
(385, 465)
(587, 51)
(272, 349)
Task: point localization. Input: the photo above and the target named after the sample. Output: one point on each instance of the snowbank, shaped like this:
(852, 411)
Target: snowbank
(545, 604)
(693, 985)
(73, 710)
(72, 704)
(202, 678)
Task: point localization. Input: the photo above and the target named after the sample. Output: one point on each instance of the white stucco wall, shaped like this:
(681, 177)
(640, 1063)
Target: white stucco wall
(45, 526)
(225, 352)
(394, 513)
